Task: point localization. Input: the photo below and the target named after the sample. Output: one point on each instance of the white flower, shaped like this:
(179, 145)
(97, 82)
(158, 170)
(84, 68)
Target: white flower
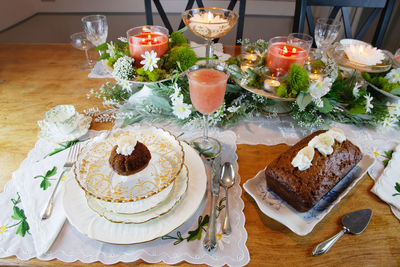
(150, 60)
(111, 49)
(318, 89)
(123, 68)
(123, 39)
(180, 109)
(356, 90)
(177, 92)
(394, 110)
(393, 76)
(368, 104)
(389, 121)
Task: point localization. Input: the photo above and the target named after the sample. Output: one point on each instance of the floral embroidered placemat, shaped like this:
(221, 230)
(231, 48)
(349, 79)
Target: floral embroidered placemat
(19, 233)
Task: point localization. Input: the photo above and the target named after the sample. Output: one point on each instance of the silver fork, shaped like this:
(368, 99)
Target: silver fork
(71, 158)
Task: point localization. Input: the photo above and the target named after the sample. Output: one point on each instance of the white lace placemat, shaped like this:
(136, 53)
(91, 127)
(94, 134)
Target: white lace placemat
(71, 245)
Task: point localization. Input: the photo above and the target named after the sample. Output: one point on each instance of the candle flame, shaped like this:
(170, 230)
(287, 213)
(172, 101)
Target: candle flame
(155, 39)
(294, 50)
(143, 39)
(361, 49)
(285, 50)
(209, 17)
(149, 36)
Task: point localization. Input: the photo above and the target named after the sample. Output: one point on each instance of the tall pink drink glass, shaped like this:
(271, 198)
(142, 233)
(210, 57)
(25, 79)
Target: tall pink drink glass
(207, 85)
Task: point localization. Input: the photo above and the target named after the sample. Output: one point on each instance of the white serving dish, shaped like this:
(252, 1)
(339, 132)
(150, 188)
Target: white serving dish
(303, 223)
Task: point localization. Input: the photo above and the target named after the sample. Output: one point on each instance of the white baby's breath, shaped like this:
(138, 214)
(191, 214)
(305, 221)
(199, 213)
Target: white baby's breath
(123, 68)
(150, 60)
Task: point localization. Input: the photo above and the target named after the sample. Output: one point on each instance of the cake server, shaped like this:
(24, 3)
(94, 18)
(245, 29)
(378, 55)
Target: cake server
(210, 241)
(353, 223)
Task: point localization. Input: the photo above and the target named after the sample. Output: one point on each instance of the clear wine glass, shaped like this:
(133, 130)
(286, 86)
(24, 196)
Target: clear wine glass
(80, 41)
(326, 32)
(207, 85)
(96, 28)
(209, 23)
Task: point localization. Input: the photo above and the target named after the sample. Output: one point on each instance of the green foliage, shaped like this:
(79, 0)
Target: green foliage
(379, 80)
(45, 182)
(121, 49)
(233, 61)
(177, 38)
(388, 157)
(297, 80)
(182, 55)
(203, 152)
(151, 76)
(281, 91)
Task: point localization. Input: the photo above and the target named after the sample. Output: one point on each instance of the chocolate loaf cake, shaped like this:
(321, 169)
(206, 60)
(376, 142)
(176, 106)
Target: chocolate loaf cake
(303, 189)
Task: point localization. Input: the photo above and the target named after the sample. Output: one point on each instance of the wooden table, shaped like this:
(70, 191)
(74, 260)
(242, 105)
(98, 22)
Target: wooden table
(36, 77)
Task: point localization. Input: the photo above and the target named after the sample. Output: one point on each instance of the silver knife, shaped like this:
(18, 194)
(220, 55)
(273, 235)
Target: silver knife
(210, 241)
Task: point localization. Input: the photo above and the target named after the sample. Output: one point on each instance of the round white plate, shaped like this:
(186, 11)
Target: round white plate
(92, 225)
(177, 193)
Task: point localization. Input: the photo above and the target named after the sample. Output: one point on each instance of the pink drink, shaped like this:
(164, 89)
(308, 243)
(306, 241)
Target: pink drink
(207, 89)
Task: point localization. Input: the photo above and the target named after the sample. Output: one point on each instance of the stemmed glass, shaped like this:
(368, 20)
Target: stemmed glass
(96, 28)
(209, 23)
(207, 85)
(80, 41)
(326, 31)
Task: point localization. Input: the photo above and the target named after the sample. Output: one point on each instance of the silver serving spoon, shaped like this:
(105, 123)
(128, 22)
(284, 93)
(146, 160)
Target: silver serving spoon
(227, 180)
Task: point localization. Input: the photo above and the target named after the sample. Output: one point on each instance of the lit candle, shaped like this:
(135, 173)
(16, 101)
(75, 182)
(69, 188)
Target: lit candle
(315, 77)
(271, 85)
(208, 26)
(147, 38)
(282, 55)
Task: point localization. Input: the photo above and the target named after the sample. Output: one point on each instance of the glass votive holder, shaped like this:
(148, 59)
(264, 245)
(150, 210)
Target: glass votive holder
(249, 60)
(397, 58)
(272, 81)
(282, 54)
(147, 38)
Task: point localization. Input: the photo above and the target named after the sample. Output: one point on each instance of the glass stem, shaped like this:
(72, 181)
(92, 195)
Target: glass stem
(87, 57)
(209, 51)
(205, 129)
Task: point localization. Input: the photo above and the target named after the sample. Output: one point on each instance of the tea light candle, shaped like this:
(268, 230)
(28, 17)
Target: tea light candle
(282, 55)
(147, 38)
(271, 85)
(249, 60)
(315, 77)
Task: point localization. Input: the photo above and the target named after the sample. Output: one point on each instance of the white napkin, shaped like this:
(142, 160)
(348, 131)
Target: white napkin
(34, 198)
(385, 185)
(200, 50)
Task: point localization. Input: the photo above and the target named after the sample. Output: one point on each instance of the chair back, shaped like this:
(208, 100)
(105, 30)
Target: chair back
(385, 7)
(189, 5)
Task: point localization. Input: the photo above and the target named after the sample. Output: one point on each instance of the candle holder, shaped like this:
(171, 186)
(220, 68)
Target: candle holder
(282, 53)
(249, 60)
(273, 81)
(147, 38)
(209, 23)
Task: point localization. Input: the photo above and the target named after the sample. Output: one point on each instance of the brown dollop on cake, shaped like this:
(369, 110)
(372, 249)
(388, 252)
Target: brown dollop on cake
(133, 163)
(303, 189)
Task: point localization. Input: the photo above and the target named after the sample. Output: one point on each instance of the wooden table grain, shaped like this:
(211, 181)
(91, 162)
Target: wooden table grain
(36, 77)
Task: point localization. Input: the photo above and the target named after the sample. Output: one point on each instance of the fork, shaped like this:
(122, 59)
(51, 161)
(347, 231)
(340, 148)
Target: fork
(71, 158)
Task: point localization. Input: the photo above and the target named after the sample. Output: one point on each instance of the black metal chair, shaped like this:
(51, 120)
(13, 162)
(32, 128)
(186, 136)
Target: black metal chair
(189, 5)
(303, 10)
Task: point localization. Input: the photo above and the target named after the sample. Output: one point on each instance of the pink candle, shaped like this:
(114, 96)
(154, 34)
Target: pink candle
(147, 38)
(282, 55)
(207, 89)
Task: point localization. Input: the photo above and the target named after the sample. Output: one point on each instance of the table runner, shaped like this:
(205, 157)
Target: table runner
(71, 245)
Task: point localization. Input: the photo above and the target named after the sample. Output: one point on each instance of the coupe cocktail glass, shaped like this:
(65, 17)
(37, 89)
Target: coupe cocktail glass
(207, 85)
(79, 41)
(209, 23)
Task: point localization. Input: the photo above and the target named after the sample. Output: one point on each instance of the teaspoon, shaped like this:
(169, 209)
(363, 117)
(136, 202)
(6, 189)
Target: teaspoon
(226, 181)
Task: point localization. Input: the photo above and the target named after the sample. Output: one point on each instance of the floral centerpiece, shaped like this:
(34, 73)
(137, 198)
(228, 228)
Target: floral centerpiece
(335, 97)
